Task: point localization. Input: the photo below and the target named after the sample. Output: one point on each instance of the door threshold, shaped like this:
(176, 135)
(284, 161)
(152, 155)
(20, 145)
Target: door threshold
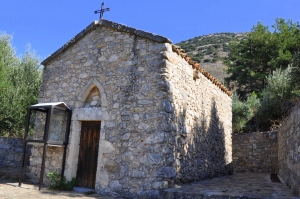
(83, 189)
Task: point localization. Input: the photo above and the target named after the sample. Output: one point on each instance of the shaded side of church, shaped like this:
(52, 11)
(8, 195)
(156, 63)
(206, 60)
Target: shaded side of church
(145, 116)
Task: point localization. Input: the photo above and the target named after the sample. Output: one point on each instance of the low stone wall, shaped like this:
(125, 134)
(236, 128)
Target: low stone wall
(255, 152)
(289, 150)
(11, 151)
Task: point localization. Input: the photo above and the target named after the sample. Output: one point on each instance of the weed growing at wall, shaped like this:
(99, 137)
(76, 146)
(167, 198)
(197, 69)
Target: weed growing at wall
(56, 182)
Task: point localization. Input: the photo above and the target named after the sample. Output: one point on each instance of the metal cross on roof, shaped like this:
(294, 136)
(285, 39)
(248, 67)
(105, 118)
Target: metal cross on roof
(102, 10)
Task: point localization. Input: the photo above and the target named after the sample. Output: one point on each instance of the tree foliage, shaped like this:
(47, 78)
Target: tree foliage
(7, 59)
(295, 74)
(261, 52)
(20, 81)
(276, 102)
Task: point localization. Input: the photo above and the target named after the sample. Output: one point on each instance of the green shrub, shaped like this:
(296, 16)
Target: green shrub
(216, 46)
(277, 98)
(226, 48)
(210, 50)
(214, 60)
(295, 75)
(199, 55)
(242, 112)
(56, 182)
(197, 59)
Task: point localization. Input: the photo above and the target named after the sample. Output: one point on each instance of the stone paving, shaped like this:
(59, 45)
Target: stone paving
(240, 185)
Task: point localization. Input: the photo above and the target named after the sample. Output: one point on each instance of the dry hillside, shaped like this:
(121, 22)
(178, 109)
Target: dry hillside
(208, 50)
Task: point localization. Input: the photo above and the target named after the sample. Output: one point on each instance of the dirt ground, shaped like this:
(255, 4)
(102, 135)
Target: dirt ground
(245, 185)
(9, 189)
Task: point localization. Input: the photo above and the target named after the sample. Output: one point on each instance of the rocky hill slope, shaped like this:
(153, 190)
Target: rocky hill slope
(209, 50)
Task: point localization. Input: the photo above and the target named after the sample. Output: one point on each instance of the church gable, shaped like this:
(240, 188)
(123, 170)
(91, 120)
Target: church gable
(108, 24)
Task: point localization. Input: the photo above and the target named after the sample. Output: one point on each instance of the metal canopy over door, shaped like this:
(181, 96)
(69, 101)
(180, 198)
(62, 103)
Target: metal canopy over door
(88, 154)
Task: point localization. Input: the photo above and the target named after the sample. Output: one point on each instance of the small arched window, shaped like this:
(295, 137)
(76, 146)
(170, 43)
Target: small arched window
(93, 99)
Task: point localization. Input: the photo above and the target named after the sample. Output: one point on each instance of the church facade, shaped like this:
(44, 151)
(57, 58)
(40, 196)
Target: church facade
(145, 116)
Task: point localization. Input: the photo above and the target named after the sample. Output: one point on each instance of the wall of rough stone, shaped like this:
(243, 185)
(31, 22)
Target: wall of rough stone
(198, 121)
(11, 152)
(53, 162)
(126, 70)
(289, 150)
(158, 125)
(255, 152)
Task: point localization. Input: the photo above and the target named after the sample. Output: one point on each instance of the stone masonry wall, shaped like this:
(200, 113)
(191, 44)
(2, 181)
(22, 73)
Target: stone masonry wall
(289, 150)
(255, 152)
(53, 162)
(11, 152)
(158, 125)
(199, 122)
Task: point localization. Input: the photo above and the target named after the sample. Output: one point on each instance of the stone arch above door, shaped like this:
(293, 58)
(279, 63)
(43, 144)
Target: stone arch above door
(83, 113)
(86, 90)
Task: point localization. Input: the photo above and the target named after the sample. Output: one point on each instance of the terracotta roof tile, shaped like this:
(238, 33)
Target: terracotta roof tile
(197, 66)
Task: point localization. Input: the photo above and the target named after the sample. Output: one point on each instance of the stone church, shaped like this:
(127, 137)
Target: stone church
(154, 117)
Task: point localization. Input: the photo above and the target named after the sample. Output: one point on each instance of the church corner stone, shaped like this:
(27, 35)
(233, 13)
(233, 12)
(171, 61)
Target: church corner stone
(159, 125)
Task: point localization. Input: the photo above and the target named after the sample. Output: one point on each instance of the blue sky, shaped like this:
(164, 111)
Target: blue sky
(48, 24)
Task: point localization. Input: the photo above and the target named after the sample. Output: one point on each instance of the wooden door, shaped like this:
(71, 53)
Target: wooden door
(88, 154)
